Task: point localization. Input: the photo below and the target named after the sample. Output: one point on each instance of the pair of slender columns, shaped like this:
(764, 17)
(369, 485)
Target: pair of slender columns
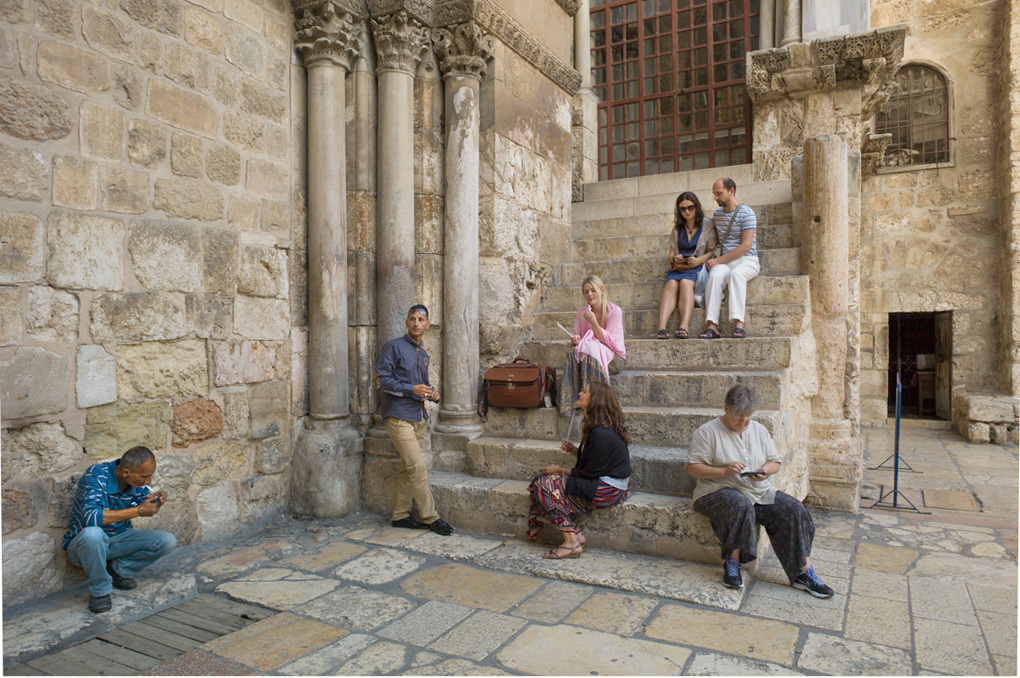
(792, 31)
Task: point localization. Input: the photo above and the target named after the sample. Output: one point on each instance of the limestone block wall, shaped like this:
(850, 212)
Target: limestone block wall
(1009, 192)
(525, 197)
(147, 258)
(931, 237)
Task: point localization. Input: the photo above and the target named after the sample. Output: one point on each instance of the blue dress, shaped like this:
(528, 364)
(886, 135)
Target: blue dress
(686, 247)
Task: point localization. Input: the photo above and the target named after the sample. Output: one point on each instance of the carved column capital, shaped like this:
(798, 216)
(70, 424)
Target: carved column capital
(327, 32)
(400, 42)
(463, 50)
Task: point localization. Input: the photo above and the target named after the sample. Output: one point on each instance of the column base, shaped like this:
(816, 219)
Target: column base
(836, 465)
(454, 430)
(325, 470)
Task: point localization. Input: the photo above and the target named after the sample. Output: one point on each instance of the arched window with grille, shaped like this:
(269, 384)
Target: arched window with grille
(917, 116)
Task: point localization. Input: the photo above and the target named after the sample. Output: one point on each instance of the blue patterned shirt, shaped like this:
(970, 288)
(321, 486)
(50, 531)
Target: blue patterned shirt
(402, 365)
(98, 491)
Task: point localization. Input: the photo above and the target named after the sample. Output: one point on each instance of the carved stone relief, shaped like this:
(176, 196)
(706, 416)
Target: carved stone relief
(400, 42)
(464, 49)
(327, 32)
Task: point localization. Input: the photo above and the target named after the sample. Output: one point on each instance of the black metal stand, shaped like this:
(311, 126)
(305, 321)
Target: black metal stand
(895, 492)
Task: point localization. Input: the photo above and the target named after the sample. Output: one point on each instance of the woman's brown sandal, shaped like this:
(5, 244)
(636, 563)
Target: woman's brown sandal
(571, 552)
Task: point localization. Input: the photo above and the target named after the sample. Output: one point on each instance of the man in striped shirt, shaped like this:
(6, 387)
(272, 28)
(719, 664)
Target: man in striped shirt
(100, 538)
(737, 227)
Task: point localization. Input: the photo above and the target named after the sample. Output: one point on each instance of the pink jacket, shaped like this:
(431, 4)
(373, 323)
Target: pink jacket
(612, 332)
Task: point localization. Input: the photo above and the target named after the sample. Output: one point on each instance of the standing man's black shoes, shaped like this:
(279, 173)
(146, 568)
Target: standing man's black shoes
(100, 603)
(409, 523)
(440, 526)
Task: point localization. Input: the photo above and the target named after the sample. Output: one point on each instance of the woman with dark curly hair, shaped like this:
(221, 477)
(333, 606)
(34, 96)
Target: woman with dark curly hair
(692, 242)
(597, 480)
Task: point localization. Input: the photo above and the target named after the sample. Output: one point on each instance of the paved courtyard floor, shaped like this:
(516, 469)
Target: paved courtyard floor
(915, 594)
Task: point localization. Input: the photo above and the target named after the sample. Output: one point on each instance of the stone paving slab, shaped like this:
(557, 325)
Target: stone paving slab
(616, 613)
(277, 587)
(840, 657)
(479, 635)
(426, 623)
(564, 650)
(956, 500)
(274, 641)
(379, 566)
(471, 587)
(357, 608)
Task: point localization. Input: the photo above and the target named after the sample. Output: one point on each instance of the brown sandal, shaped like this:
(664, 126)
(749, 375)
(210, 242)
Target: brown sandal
(574, 552)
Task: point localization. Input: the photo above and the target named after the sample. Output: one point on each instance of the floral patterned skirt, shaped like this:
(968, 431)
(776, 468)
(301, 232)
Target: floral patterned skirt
(551, 504)
(576, 377)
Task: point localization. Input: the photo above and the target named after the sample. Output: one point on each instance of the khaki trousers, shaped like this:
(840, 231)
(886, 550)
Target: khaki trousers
(412, 479)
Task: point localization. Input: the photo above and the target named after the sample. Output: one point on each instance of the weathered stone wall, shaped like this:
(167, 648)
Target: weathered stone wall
(525, 197)
(147, 254)
(930, 237)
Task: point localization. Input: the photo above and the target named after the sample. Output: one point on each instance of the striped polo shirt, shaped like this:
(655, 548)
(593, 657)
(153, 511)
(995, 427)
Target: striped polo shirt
(98, 491)
(744, 221)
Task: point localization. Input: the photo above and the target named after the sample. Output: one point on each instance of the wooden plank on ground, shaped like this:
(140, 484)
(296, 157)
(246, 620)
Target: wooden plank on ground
(122, 655)
(235, 607)
(199, 622)
(161, 636)
(207, 611)
(23, 670)
(55, 665)
(180, 629)
(99, 666)
(150, 648)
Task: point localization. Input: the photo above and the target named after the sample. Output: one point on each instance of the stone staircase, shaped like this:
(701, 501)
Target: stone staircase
(667, 388)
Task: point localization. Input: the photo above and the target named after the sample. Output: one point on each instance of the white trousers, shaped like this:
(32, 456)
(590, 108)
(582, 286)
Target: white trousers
(734, 276)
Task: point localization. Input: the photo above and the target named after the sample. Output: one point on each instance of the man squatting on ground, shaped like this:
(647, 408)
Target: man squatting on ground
(403, 372)
(732, 457)
(100, 537)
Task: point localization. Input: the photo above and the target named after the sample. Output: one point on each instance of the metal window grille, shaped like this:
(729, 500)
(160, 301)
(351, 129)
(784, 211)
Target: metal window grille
(917, 116)
(670, 74)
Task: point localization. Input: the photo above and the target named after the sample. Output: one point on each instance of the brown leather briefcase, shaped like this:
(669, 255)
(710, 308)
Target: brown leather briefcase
(521, 384)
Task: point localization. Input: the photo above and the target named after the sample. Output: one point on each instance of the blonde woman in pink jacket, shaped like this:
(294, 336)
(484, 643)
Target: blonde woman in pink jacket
(597, 340)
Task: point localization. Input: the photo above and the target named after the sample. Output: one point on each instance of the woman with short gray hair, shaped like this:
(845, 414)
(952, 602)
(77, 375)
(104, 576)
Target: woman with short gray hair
(732, 458)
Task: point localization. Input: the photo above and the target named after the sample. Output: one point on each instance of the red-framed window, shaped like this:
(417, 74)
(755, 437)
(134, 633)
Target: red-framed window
(670, 74)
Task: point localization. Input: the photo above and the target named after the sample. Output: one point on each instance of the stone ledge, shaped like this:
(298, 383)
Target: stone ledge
(987, 417)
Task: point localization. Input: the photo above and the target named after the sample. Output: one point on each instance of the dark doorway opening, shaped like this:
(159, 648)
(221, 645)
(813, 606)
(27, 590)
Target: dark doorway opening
(920, 350)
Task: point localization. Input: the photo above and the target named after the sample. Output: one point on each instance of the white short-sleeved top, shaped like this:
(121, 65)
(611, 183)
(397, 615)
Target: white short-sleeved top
(715, 445)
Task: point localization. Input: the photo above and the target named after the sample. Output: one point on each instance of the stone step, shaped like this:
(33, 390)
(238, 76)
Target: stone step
(632, 287)
(683, 388)
(647, 425)
(647, 523)
(776, 216)
(653, 469)
(762, 353)
(653, 249)
(626, 204)
(673, 183)
(762, 320)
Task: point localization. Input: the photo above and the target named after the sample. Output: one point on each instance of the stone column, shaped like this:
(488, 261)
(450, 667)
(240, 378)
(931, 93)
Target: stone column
(582, 40)
(791, 23)
(583, 109)
(767, 25)
(399, 42)
(834, 451)
(326, 468)
(463, 50)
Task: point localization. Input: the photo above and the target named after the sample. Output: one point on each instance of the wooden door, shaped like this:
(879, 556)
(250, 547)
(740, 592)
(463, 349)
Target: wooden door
(943, 364)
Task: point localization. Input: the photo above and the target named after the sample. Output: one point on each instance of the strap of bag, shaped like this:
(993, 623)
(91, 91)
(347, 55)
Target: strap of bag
(482, 409)
(730, 227)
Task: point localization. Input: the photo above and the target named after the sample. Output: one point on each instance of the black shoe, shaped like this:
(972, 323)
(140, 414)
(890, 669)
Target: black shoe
(731, 574)
(809, 581)
(440, 526)
(119, 582)
(409, 523)
(100, 603)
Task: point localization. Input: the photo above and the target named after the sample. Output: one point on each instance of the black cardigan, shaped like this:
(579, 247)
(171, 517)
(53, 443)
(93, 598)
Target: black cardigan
(603, 454)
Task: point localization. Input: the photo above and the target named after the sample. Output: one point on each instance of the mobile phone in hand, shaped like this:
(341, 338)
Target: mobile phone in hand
(759, 472)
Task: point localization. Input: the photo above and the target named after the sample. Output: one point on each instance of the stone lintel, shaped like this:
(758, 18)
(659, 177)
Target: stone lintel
(419, 10)
(504, 26)
(329, 32)
(862, 60)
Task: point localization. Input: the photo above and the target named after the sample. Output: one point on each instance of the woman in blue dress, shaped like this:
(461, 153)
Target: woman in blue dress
(692, 242)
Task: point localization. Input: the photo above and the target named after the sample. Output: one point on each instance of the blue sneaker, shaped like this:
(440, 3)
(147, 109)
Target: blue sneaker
(731, 574)
(809, 581)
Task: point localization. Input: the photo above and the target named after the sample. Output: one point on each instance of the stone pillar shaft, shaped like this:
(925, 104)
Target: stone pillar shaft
(460, 244)
(791, 23)
(767, 25)
(825, 255)
(582, 40)
(327, 242)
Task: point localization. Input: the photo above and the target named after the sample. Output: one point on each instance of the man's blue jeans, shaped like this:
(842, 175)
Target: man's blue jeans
(131, 551)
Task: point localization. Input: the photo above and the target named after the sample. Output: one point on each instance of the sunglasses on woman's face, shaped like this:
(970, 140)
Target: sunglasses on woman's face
(686, 208)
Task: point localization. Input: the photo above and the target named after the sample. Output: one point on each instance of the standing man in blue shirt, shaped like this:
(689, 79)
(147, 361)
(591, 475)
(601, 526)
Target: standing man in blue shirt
(737, 227)
(100, 538)
(403, 371)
